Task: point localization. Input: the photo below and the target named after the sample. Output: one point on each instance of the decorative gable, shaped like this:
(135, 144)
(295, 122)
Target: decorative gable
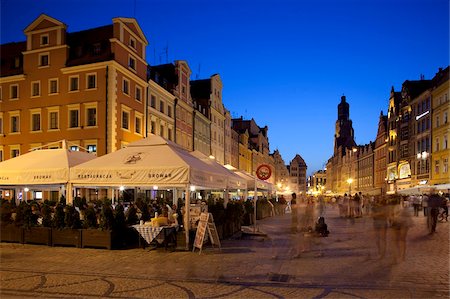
(45, 31)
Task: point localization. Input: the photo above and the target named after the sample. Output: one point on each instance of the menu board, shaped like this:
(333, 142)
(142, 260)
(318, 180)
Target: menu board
(206, 223)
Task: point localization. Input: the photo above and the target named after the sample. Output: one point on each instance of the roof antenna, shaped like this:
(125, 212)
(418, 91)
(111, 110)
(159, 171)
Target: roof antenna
(198, 72)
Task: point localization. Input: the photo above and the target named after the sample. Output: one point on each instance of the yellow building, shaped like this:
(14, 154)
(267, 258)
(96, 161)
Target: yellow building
(440, 129)
(87, 87)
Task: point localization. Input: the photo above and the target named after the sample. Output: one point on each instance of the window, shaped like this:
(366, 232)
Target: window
(15, 123)
(1, 154)
(43, 59)
(91, 117)
(96, 49)
(92, 148)
(161, 130)
(53, 120)
(53, 86)
(44, 39)
(35, 122)
(91, 81)
(36, 88)
(445, 143)
(132, 63)
(138, 125)
(74, 148)
(73, 118)
(161, 106)
(153, 127)
(445, 117)
(153, 101)
(125, 120)
(169, 111)
(138, 94)
(445, 165)
(169, 134)
(14, 91)
(132, 43)
(126, 87)
(16, 62)
(73, 83)
(15, 152)
(1, 124)
(436, 166)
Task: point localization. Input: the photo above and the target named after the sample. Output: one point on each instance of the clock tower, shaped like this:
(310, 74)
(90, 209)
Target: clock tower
(344, 134)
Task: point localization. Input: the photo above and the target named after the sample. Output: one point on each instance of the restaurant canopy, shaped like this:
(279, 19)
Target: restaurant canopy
(252, 181)
(234, 181)
(41, 167)
(153, 161)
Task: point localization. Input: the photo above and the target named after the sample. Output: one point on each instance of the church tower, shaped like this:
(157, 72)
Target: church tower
(344, 134)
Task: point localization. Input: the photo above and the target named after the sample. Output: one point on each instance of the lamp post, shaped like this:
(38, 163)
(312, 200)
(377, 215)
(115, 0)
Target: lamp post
(350, 181)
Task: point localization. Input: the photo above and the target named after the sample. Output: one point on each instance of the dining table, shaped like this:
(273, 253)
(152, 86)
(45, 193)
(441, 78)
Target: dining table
(162, 235)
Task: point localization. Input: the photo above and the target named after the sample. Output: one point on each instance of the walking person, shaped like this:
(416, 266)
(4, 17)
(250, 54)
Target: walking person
(380, 225)
(401, 223)
(434, 202)
(416, 204)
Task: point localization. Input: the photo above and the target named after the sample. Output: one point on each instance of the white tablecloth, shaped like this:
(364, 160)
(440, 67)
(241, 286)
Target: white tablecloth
(149, 233)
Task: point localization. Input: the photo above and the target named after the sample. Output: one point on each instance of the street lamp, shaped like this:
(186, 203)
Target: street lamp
(350, 181)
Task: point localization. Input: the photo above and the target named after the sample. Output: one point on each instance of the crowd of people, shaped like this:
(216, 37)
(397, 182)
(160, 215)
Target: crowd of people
(390, 215)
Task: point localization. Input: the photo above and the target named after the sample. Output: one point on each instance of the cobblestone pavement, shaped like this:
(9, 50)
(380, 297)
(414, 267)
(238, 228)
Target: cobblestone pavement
(343, 265)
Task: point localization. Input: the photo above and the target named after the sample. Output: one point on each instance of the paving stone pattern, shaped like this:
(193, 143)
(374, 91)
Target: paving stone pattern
(343, 265)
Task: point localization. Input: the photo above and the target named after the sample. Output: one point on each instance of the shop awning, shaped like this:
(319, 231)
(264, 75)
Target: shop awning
(153, 161)
(41, 167)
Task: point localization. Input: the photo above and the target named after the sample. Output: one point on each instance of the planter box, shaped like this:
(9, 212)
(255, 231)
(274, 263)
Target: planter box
(11, 233)
(66, 237)
(37, 235)
(96, 238)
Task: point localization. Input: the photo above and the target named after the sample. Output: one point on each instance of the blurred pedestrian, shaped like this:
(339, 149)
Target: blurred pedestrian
(434, 203)
(380, 224)
(400, 225)
(416, 204)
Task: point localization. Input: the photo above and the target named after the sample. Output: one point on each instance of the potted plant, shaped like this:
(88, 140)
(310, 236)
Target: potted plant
(34, 233)
(66, 231)
(92, 236)
(11, 231)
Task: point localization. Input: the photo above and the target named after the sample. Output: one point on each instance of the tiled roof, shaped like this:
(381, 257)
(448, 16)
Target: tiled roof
(201, 89)
(8, 53)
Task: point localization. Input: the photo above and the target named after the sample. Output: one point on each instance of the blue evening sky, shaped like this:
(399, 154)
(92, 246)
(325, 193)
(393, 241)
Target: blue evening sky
(286, 63)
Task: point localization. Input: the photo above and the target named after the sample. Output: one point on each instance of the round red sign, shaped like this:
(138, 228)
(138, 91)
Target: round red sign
(263, 172)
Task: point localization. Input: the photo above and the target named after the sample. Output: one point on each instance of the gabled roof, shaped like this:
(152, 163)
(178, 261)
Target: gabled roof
(414, 88)
(44, 21)
(133, 25)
